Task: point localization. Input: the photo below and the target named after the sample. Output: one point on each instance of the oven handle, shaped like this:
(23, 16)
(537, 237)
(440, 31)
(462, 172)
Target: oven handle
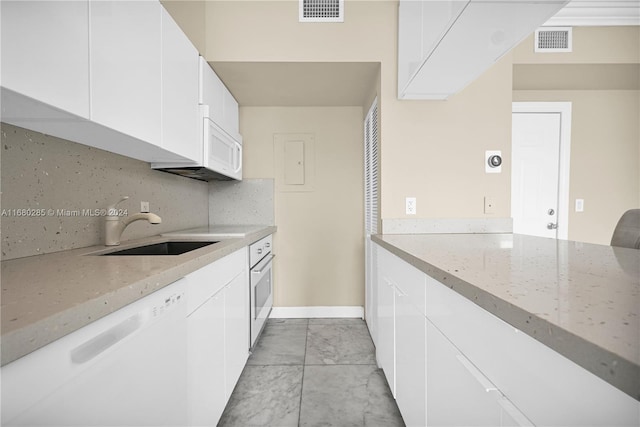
(263, 264)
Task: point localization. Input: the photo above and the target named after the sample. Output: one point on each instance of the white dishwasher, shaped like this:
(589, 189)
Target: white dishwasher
(125, 369)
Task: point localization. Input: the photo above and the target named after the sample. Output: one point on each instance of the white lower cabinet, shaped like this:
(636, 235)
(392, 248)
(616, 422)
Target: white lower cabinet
(385, 348)
(206, 394)
(218, 335)
(549, 388)
(458, 394)
(449, 362)
(410, 356)
(171, 358)
(236, 330)
(400, 346)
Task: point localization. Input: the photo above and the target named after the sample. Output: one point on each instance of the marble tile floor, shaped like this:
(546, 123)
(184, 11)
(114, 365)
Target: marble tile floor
(312, 372)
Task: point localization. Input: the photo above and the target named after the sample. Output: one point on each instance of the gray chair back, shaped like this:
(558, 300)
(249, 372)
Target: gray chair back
(627, 232)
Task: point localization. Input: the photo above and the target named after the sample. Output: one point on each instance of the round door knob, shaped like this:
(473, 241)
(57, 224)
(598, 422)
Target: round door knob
(495, 161)
(259, 251)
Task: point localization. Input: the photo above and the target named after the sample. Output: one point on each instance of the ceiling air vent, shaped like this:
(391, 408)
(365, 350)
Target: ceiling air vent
(321, 10)
(553, 39)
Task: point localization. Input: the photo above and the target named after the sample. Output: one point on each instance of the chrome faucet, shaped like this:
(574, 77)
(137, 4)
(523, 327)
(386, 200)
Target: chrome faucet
(114, 225)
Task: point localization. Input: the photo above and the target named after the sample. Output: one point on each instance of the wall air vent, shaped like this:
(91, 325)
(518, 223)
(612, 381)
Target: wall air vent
(553, 39)
(321, 10)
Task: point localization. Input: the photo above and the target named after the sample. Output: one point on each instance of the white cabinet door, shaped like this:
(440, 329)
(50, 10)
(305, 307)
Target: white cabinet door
(180, 111)
(236, 330)
(458, 394)
(211, 92)
(126, 67)
(231, 117)
(45, 52)
(218, 331)
(410, 366)
(223, 107)
(385, 348)
(206, 370)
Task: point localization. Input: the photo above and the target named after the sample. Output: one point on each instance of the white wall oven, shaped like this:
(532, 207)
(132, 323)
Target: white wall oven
(261, 285)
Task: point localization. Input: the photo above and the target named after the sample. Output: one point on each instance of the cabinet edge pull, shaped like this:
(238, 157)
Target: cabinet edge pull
(475, 372)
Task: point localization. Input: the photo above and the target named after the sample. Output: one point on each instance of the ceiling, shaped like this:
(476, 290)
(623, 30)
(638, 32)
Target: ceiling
(299, 83)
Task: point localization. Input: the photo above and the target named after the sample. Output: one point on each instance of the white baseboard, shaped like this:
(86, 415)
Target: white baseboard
(317, 312)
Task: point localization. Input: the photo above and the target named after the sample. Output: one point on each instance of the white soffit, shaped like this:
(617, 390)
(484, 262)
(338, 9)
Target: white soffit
(597, 13)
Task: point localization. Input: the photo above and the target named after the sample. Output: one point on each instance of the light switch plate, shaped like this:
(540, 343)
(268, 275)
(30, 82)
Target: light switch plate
(144, 207)
(579, 205)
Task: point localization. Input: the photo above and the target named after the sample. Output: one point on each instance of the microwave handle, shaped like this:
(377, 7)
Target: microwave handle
(239, 147)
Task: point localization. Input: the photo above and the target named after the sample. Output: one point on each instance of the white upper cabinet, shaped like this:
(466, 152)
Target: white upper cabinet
(126, 67)
(444, 45)
(223, 107)
(230, 114)
(180, 111)
(45, 54)
(211, 91)
(116, 75)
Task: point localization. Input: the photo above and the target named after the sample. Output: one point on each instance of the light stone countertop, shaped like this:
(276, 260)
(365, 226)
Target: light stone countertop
(582, 300)
(45, 297)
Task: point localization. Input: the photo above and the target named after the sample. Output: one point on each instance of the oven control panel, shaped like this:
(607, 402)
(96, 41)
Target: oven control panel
(260, 249)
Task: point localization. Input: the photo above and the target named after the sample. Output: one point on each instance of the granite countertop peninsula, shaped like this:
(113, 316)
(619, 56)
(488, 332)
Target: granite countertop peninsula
(45, 297)
(580, 299)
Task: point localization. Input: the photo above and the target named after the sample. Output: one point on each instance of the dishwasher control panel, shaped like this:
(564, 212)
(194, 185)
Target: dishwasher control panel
(168, 302)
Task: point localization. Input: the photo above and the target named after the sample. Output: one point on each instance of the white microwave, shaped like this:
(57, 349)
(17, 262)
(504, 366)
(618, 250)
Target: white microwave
(222, 152)
(221, 157)
(221, 142)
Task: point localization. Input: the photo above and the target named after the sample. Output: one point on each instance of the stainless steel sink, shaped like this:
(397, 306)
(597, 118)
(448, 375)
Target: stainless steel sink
(165, 248)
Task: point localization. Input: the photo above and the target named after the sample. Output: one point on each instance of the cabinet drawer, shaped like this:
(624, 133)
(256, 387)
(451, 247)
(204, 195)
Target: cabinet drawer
(205, 282)
(547, 387)
(406, 278)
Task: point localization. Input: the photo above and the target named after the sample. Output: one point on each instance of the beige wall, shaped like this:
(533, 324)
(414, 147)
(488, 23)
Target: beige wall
(319, 243)
(605, 140)
(434, 150)
(605, 157)
(591, 45)
(431, 150)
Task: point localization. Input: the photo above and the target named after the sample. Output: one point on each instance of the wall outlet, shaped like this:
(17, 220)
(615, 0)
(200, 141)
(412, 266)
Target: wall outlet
(144, 206)
(410, 204)
(579, 205)
(489, 205)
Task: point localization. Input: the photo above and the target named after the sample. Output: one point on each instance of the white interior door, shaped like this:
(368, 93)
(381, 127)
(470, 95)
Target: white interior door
(535, 173)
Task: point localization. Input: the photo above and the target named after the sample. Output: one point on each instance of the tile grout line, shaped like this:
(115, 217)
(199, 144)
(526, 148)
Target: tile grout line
(304, 363)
